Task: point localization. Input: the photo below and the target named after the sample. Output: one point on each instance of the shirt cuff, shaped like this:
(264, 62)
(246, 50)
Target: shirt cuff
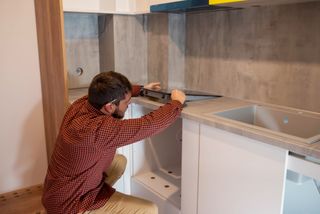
(137, 90)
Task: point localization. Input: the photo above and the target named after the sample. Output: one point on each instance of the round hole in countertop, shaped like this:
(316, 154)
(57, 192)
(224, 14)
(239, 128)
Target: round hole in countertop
(170, 172)
(166, 186)
(152, 177)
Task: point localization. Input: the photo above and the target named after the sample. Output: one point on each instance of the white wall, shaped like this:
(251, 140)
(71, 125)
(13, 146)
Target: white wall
(23, 159)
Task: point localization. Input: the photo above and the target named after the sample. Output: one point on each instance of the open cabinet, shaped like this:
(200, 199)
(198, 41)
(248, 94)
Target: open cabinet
(302, 190)
(156, 166)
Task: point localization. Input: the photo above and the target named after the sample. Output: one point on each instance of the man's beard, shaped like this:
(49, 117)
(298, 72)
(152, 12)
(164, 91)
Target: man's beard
(116, 114)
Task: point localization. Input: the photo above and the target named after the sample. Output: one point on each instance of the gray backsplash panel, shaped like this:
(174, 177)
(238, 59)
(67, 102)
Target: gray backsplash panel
(82, 48)
(269, 54)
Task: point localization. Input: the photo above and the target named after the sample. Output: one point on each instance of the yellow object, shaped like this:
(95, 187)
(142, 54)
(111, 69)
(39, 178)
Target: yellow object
(215, 2)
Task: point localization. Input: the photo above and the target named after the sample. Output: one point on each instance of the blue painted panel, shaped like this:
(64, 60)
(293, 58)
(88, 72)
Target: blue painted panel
(182, 6)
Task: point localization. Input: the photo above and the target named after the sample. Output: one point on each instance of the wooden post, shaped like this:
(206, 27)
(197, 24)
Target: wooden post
(50, 32)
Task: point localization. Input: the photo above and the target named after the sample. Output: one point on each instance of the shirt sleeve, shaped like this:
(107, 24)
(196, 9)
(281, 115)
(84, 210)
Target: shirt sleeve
(136, 90)
(115, 133)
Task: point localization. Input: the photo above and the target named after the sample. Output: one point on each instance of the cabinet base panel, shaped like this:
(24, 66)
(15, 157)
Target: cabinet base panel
(152, 187)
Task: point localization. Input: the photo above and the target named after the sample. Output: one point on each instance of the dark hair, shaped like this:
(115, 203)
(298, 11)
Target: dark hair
(108, 87)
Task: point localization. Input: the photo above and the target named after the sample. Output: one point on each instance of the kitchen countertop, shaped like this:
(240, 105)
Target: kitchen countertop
(75, 94)
(202, 112)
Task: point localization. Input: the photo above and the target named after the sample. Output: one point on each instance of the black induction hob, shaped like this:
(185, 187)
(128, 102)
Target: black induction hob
(164, 95)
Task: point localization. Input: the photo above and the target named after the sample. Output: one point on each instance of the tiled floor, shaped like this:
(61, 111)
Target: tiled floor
(24, 201)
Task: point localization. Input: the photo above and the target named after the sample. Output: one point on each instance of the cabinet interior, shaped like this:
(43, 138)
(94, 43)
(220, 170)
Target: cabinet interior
(157, 164)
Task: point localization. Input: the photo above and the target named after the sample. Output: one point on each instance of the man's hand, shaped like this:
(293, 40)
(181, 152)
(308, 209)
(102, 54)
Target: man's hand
(178, 95)
(153, 86)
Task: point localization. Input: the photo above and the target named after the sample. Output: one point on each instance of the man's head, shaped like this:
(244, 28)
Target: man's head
(110, 92)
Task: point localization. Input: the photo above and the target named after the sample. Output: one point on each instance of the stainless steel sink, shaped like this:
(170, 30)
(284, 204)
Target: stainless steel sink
(300, 124)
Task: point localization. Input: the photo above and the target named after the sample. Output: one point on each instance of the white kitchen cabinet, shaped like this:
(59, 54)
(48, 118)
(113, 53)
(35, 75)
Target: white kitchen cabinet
(111, 6)
(302, 192)
(307, 166)
(164, 169)
(89, 6)
(156, 166)
(124, 183)
(238, 175)
(216, 171)
(106, 6)
(190, 165)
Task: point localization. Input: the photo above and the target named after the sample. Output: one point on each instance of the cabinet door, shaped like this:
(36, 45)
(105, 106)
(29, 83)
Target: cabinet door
(302, 193)
(238, 175)
(124, 183)
(111, 6)
(190, 164)
(94, 6)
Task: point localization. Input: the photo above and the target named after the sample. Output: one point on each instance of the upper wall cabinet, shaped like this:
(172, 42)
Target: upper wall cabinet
(111, 6)
(249, 3)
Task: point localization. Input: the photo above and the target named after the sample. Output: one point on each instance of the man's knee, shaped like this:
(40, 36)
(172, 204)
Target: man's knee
(120, 165)
(150, 208)
(121, 159)
(153, 209)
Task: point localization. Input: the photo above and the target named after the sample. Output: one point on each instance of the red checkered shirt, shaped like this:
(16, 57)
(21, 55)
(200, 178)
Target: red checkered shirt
(85, 148)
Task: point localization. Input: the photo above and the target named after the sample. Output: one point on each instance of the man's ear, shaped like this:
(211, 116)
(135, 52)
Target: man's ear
(109, 108)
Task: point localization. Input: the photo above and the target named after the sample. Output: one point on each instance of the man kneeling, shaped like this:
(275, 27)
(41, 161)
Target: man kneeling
(84, 164)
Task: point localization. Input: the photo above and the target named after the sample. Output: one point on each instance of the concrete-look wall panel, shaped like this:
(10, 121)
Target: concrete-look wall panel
(269, 54)
(176, 43)
(106, 42)
(82, 48)
(158, 48)
(82, 54)
(130, 47)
